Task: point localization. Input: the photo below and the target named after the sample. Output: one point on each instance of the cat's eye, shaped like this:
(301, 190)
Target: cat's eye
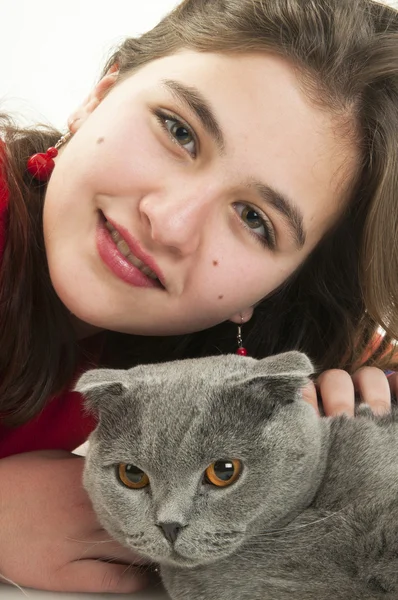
(223, 472)
(132, 477)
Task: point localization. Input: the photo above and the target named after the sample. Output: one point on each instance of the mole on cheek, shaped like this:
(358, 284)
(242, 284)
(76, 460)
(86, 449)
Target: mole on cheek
(100, 140)
(215, 263)
(220, 297)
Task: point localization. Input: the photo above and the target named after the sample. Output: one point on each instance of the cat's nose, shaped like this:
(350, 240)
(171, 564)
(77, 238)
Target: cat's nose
(170, 530)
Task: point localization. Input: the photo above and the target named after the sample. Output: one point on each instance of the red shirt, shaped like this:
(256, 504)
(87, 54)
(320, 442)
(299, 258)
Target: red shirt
(62, 424)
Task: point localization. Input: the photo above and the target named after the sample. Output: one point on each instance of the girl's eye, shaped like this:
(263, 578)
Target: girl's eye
(179, 132)
(258, 223)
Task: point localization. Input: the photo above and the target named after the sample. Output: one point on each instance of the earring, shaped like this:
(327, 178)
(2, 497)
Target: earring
(241, 350)
(41, 165)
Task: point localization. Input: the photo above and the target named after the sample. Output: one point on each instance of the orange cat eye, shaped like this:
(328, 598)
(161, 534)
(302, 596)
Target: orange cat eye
(132, 477)
(223, 473)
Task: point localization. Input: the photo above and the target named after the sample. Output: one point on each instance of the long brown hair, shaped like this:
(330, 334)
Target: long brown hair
(345, 53)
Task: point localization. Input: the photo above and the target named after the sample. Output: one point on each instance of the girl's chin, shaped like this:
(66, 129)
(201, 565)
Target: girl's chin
(88, 322)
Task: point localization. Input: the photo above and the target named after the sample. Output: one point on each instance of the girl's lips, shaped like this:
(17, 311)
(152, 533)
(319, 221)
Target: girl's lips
(118, 263)
(136, 249)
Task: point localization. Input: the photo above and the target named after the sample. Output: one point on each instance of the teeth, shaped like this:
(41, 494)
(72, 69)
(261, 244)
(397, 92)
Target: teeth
(133, 259)
(125, 250)
(147, 271)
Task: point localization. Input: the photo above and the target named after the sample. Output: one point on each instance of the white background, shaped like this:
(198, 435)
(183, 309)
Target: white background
(52, 51)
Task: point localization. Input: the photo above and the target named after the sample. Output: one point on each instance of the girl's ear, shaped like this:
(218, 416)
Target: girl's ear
(243, 316)
(78, 117)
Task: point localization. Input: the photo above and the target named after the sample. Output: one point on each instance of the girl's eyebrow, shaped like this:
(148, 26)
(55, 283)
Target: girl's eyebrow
(197, 104)
(194, 100)
(286, 207)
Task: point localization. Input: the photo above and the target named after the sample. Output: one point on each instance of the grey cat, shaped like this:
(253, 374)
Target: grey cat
(216, 469)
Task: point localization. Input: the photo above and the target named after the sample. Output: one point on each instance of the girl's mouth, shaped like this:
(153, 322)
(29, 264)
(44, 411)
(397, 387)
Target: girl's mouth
(125, 250)
(116, 252)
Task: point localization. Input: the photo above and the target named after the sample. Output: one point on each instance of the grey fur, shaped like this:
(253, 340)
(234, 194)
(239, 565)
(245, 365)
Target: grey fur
(314, 515)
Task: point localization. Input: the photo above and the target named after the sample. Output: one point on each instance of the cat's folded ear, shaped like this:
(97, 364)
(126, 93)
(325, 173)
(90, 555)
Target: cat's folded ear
(290, 364)
(279, 390)
(280, 378)
(99, 385)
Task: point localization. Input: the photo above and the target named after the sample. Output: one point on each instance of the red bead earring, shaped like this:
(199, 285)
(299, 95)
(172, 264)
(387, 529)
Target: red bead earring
(41, 165)
(241, 350)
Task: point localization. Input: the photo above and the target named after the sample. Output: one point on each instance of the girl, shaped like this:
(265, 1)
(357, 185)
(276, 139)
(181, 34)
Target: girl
(238, 164)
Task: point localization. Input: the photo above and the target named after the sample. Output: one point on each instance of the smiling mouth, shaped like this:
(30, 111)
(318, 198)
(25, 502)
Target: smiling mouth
(125, 250)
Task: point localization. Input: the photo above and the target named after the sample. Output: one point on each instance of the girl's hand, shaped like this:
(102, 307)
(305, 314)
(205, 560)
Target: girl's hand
(337, 391)
(50, 538)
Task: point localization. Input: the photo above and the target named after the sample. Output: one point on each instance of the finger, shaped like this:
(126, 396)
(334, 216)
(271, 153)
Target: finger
(337, 392)
(373, 387)
(392, 379)
(310, 396)
(94, 576)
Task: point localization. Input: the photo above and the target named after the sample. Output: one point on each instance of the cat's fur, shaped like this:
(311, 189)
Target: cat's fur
(314, 515)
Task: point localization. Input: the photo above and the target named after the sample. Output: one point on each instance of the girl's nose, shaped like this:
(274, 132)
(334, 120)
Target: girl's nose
(177, 221)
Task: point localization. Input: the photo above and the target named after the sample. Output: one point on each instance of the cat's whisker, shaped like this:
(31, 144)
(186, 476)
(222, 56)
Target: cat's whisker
(299, 527)
(93, 545)
(11, 582)
(112, 559)
(69, 539)
(103, 559)
(128, 567)
(145, 567)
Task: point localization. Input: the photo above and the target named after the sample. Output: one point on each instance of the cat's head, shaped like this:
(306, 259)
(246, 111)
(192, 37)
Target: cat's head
(190, 458)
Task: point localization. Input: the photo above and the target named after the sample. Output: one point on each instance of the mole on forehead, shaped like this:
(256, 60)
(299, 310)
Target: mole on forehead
(215, 263)
(220, 297)
(100, 140)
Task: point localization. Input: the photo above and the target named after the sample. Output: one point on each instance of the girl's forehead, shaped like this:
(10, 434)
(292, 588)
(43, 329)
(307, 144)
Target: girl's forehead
(252, 109)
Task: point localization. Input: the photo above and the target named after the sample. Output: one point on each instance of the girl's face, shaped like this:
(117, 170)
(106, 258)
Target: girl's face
(218, 174)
